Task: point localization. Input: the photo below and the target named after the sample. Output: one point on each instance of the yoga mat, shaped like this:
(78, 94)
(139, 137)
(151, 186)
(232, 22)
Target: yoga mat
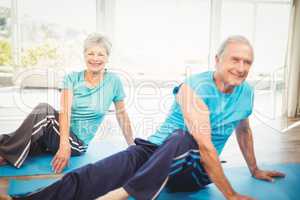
(41, 165)
(281, 189)
(16, 187)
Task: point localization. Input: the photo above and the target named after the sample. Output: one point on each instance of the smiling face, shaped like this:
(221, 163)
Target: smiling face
(233, 66)
(95, 58)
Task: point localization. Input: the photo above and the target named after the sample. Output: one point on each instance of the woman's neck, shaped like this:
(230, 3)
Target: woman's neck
(93, 78)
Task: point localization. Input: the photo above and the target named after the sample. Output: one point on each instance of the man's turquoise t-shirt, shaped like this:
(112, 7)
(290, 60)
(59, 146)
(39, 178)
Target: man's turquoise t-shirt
(226, 110)
(89, 105)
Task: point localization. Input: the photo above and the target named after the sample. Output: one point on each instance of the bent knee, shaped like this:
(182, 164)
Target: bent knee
(43, 105)
(43, 108)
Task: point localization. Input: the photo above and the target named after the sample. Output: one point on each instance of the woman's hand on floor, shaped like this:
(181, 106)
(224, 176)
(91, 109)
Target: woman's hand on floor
(61, 158)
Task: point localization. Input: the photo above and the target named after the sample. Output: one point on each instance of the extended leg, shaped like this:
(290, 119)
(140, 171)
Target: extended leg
(95, 180)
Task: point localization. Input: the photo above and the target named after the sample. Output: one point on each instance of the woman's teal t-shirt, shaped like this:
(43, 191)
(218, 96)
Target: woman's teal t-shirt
(89, 105)
(226, 110)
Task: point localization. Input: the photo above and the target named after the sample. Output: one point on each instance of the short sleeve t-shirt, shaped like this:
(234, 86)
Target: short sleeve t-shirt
(226, 110)
(90, 105)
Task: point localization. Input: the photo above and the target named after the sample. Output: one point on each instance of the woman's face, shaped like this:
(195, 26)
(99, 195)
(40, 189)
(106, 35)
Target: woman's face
(95, 58)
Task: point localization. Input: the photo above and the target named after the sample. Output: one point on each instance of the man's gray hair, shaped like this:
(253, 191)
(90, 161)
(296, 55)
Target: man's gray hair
(233, 39)
(97, 39)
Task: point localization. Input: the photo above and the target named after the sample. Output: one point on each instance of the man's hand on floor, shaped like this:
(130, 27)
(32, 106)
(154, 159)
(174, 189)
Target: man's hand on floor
(240, 197)
(267, 175)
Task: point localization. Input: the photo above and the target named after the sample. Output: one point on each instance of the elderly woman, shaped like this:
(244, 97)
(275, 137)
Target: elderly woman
(85, 98)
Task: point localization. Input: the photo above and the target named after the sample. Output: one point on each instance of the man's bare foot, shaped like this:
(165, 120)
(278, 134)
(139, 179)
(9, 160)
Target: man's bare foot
(2, 161)
(117, 194)
(5, 197)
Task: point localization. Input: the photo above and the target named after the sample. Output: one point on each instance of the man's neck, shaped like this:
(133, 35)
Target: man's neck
(221, 85)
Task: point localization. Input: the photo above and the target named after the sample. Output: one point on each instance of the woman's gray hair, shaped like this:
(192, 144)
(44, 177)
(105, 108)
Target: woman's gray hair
(233, 39)
(97, 39)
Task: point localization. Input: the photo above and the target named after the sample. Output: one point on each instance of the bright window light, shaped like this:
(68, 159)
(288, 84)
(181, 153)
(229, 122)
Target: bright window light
(161, 37)
(52, 31)
(5, 35)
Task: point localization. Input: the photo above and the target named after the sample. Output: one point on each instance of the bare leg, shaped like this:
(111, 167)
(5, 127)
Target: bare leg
(117, 194)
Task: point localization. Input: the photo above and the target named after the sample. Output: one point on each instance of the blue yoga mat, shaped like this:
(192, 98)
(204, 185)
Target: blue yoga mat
(16, 187)
(282, 189)
(40, 165)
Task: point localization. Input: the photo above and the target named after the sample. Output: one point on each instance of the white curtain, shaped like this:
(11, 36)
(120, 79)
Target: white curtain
(293, 63)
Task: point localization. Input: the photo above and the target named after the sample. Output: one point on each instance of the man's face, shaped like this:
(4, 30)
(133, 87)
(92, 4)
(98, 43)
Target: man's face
(234, 64)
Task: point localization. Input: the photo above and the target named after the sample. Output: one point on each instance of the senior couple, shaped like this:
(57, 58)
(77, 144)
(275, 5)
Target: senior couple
(182, 155)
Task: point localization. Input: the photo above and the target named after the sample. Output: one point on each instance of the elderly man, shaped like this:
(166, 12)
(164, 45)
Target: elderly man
(183, 153)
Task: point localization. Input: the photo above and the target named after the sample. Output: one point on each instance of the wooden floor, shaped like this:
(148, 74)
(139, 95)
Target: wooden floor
(271, 146)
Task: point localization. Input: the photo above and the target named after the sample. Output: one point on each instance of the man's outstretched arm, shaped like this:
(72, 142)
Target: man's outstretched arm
(245, 141)
(196, 115)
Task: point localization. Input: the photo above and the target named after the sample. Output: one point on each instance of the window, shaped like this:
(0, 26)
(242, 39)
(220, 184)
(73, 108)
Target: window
(52, 31)
(270, 51)
(161, 38)
(270, 55)
(237, 19)
(5, 33)
(255, 20)
(5, 42)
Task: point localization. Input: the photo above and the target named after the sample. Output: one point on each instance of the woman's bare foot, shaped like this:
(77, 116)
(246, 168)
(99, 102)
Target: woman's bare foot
(5, 197)
(2, 161)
